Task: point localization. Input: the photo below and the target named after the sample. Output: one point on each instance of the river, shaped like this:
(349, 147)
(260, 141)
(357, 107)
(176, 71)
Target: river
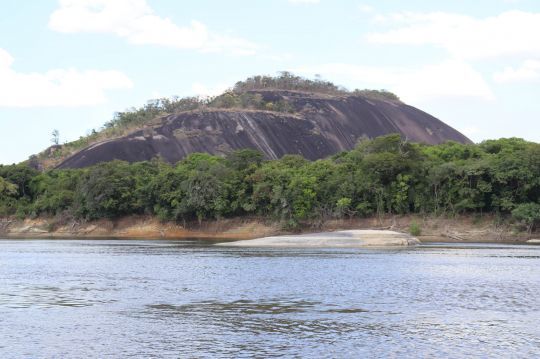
(151, 298)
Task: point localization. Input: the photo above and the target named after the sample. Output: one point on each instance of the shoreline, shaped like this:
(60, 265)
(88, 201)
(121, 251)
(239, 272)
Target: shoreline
(460, 229)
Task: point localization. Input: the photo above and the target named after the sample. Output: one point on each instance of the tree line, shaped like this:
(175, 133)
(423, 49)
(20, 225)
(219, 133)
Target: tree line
(386, 175)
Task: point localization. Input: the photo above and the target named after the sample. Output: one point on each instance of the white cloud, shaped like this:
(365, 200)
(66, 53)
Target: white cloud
(60, 87)
(451, 78)
(304, 1)
(200, 89)
(366, 8)
(527, 72)
(135, 21)
(465, 37)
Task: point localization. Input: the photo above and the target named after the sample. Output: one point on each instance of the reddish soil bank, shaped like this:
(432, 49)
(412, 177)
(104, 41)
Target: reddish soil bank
(433, 229)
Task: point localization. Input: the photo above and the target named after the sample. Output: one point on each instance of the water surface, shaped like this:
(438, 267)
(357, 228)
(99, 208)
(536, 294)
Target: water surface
(122, 298)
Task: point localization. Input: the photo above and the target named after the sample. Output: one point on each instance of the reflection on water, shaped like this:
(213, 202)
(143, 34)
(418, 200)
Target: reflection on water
(238, 307)
(22, 296)
(97, 298)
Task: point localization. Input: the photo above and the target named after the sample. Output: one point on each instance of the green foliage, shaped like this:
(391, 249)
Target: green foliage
(528, 214)
(288, 81)
(54, 192)
(343, 206)
(246, 100)
(19, 175)
(16, 195)
(7, 188)
(8, 193)
(107, 190)
(381, 176)
(153, 109)
(376, 94)
(414, 229)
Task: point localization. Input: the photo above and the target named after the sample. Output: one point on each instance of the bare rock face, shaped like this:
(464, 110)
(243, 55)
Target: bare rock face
(321, 126)
(340, 239)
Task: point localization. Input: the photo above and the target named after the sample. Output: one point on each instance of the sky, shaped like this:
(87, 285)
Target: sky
(70, 64)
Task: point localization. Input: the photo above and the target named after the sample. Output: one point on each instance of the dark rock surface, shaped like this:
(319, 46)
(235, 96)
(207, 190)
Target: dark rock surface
(322, 125)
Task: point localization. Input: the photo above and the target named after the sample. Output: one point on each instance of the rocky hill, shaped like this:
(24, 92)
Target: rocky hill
(315, 125)
(280, 115)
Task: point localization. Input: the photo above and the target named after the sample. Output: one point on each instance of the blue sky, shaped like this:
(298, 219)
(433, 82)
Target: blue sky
(70, 64)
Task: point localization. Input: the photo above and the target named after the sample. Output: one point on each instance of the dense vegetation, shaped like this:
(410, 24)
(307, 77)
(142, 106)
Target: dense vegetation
(380, 176)
(288, 81)
(241, 96)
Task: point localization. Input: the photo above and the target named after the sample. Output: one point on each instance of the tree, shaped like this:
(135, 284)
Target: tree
(528, 214)
(107, 190)
(55, 139)
(20, 175)
(343, 206)
(7, 188)
(8, 193)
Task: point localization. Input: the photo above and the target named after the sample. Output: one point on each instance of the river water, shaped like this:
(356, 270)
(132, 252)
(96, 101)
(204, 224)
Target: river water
(122, 298)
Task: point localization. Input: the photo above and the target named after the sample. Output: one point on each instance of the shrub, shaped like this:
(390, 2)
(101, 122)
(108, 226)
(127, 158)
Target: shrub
(528, 214)
(414, 229)
(343, 206)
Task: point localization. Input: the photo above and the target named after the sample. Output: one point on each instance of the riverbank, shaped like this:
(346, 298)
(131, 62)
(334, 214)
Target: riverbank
(433, 229)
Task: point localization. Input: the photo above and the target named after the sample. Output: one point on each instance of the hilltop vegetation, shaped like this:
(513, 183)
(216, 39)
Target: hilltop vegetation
(380, 176)
(288, 81)
(242, 96)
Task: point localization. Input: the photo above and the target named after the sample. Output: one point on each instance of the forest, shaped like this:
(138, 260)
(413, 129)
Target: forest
(385, 175)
